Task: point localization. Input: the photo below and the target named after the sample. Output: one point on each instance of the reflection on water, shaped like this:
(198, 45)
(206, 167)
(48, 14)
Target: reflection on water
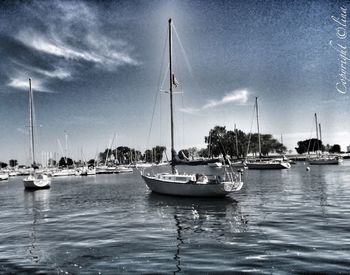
(218, 219)
(292, 221)
(36, 203)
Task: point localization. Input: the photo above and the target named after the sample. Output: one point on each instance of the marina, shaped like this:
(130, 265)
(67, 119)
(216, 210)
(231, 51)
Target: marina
(281, 221)
(132, 141)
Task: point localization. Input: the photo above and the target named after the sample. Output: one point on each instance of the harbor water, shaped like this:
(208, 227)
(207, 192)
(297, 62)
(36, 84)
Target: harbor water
(281, 222)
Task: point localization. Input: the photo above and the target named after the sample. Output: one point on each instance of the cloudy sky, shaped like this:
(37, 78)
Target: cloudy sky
(98, 67)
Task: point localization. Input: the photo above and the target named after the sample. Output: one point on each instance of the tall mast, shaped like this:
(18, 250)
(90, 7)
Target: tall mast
(257, 121)
(316, 131)
(319, 128)
(236, 134)
(171, 102)
(31, 129)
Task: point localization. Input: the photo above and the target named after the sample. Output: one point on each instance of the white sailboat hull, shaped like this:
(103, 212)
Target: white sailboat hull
(324, 161)
(4, 176)
(265, 165)
(64, 173)
(191, 189)
(37, 182)
(124, 169)
(215, 164)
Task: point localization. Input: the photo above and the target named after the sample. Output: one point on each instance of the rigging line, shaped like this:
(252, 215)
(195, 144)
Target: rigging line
(189, 67)
(183, 50)
(157, 92)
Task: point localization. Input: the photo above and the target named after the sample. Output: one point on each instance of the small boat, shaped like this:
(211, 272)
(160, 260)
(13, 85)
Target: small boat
(105, 169)
(325, 160)
(268, 164)
(36, 179)
(194, 185)
(320, 158)
(215, 164)
(238, 164)
(4, 176)
(64, 173)
(124, 169)
(261, 163)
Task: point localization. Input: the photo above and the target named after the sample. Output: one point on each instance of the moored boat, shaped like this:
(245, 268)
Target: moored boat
(4, 176)
(321, 158)
(268, 164)
(261, 163)
(36, 179)
(197, 185)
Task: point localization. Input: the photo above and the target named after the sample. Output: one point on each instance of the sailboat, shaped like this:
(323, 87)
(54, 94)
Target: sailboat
(35, 180)
(323, 159)
(265, 164)
(198, 185)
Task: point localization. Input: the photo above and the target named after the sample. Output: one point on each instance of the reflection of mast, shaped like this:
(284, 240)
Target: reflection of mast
(179, 243)
(37, 202)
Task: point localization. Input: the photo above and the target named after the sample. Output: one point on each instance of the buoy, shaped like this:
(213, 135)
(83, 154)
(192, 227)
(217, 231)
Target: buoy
(308, 168)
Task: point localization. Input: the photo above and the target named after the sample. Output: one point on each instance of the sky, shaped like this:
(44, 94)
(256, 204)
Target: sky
(98, 69)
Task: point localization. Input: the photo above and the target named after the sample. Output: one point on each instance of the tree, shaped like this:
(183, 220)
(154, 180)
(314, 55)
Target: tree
(52, 162)
(91, 162)
(13, 162)
(215, 139)
(65, 162)
(309, 145)
(203, 153)
(225, 142)
(3, 165)
(335, 149)
(155, 154)
(192, 152)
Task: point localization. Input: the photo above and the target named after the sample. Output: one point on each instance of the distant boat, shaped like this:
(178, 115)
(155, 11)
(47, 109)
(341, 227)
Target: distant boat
(320, 158)
(268, 164)
(215, 164)
(124, 169)
(4, 176)
(64, 172)
(325, 160)
(105, 169)
(36, 180)
(198, 185)
(261, 163)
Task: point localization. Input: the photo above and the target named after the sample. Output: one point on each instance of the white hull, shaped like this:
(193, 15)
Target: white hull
(191, 189)
(266, 165)
(37, 182)
(215, 164)
(4, 176)
(105, 170)
(325, 161)
(64, 173)
(123, 169)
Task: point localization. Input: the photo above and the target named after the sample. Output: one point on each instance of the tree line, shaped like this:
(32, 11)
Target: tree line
(314, 145)
(220, 141)
(235, 144)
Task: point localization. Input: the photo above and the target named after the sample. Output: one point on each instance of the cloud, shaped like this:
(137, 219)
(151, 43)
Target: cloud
(74, 32)
(22, 83)
(60, 40)
(237, 96)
